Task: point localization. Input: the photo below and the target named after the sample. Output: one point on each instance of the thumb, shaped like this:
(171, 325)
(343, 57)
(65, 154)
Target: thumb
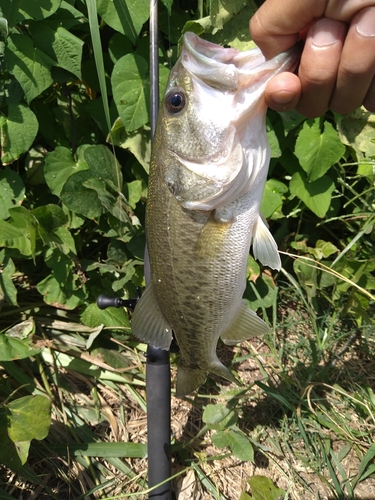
(278, 25)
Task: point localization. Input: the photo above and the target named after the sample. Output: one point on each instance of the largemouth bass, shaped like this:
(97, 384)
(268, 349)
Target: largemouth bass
(208, 168)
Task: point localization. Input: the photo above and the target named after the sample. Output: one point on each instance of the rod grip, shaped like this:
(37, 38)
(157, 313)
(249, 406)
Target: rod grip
(158, 396)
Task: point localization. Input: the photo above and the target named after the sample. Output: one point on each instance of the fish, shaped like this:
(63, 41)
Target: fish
(209, 164)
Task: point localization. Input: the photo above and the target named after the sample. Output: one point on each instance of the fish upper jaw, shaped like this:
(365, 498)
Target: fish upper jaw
(229, 69)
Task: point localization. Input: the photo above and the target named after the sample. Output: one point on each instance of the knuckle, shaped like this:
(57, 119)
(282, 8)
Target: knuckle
(354, 70)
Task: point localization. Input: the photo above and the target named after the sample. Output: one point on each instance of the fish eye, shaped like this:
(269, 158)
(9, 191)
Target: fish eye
(175, 101)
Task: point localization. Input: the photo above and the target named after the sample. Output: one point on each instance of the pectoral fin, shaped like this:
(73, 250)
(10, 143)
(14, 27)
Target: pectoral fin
(245, 325)
(264, 246)
(214, 233)
(149, 323)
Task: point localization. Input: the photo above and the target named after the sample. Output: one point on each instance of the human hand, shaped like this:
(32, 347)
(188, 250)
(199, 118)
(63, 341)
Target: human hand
(337, 68)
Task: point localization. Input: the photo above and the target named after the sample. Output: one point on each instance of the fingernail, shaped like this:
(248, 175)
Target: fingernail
(366, 24)
(325, 32)
(283, 97)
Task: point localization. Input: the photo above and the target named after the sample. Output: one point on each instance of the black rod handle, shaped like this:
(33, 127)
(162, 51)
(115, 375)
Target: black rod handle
(158, 397)
(103, 302)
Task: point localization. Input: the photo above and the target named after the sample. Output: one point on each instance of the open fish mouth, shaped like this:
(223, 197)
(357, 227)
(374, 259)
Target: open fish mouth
(230, 69)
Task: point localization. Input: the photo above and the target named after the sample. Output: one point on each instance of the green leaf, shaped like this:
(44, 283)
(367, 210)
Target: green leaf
(34, 166)
(3, 32)
(29, 418)
(273, 140)
(291, 120)
(261, 294)
(30, 66)
(315, 195)
(324, 249)
(22, 330)
(221, 11)
(241, 446)
(133, 192)
(115, 359)
(21, 421)
(11, 455)
(38, 10)
(138, 143)
(10, 9)
(125, 16)
(221, 439)
(262, 488)
(62, 288)
(93, 317)
(109, 197)
(60, 45)
(17, 132)
(94, 191)
(52, 230)
(272, 196)
(245, 496)
(318, 150)
(50, 217)
(131, 90)
(118, 46)
(219, 416)
(12, 348)
(20, 231)
(16, 11)
(12, 191)
(67, 16)
(58, 295)
(357, 130)
(60, 165)
(307, 276)
(236, 30)
(236, 441)
(7, 289)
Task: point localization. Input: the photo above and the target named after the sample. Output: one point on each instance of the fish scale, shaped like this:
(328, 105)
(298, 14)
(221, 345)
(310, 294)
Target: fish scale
(207, 177)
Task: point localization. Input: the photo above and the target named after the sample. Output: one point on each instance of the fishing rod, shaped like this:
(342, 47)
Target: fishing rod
(158, 376)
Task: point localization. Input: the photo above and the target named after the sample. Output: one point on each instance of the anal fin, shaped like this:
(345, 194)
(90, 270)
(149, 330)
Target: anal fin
(149, 323)
(246, 324)
(188, 380)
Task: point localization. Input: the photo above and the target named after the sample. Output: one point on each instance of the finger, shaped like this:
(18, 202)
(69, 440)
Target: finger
(357, 65)
(283, 92)
(369, 102)
(276, 25)
(345, 10)
(319, 65)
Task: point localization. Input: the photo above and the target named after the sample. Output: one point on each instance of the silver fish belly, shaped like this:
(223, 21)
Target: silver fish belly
(207, 174)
